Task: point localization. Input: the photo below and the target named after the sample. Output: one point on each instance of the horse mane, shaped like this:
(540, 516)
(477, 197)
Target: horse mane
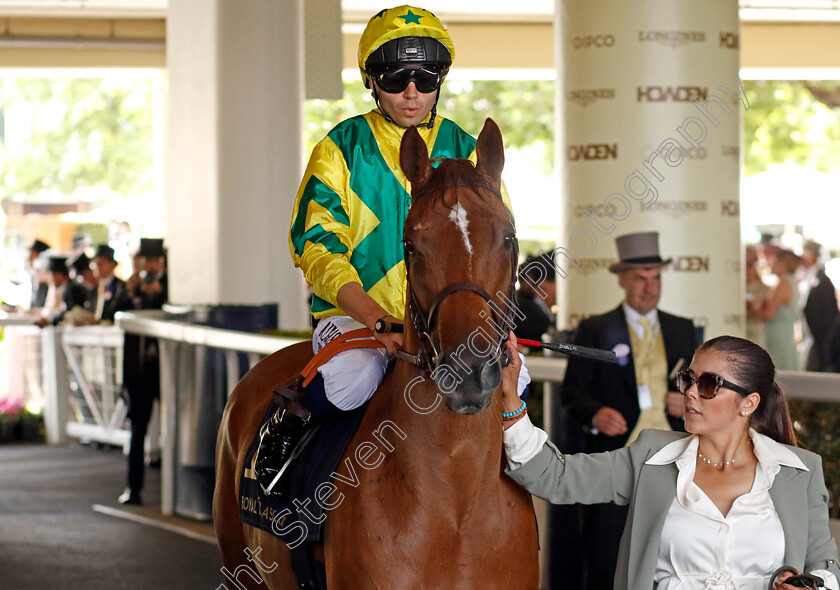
(454, 172)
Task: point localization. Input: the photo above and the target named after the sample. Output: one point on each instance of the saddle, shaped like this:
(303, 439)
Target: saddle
(298, 517)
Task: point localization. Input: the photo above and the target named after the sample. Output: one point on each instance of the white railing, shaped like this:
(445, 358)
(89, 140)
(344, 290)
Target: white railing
(171, 334)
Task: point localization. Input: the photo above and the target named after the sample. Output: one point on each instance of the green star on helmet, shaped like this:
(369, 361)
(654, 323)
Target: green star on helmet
(411, 18)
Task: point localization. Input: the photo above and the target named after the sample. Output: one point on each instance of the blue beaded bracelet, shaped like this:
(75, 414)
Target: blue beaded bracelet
(516, 413)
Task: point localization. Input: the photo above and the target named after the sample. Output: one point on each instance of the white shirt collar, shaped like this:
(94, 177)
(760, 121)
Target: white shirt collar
(771, 454)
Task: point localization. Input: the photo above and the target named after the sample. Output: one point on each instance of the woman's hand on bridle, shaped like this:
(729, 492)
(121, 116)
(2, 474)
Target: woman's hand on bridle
(510, 380)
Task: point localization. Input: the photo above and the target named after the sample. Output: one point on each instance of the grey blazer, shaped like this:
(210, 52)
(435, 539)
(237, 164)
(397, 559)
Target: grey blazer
(621, 476)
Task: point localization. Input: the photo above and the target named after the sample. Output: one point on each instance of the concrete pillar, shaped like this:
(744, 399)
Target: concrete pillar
(650, 103)
(234, 152)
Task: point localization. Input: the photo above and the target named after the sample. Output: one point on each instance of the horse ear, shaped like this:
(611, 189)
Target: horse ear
(490, 152)
(414, 158)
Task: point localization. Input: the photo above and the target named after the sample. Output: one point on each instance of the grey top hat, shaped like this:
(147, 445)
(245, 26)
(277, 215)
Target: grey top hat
(639, 250)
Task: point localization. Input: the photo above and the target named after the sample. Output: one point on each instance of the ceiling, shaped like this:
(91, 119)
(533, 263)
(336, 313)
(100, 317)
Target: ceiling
(486, 10)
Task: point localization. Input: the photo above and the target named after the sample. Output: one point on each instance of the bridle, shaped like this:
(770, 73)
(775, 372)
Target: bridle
(428, 356)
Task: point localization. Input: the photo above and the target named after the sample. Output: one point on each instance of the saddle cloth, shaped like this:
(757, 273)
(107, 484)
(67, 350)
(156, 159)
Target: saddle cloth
(299, 517)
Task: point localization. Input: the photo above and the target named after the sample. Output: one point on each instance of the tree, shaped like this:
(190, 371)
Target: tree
(792, 121)
(84, 133)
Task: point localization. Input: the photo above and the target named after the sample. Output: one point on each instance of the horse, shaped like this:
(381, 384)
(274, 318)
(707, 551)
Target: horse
(422, 501)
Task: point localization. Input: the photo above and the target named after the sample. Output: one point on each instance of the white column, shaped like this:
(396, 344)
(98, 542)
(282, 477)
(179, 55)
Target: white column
(234, 152)
(650, 102)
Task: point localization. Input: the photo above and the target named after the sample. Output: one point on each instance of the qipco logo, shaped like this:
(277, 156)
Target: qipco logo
(587, 41)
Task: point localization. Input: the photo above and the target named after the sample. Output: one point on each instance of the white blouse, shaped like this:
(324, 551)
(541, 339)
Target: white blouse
(733, 552)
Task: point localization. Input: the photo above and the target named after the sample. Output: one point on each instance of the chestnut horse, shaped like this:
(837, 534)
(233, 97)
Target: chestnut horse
(422, 500)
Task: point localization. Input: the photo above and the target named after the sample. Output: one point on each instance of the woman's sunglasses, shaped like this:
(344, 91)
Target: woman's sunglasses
(708, 384)
(426, 78)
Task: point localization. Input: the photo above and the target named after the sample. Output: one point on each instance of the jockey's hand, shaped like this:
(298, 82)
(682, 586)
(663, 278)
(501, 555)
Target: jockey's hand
(392, 341)
(510, 377)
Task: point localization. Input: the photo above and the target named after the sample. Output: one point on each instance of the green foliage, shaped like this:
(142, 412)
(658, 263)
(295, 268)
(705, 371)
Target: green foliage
(816, 424)
(787, 122)
(523, 109)
(85, 133)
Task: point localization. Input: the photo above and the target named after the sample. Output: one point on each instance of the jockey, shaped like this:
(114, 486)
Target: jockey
(347, 222)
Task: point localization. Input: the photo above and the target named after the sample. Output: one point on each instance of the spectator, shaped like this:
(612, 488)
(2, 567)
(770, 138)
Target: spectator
(141, 367)
(110, 294)
(757, 292)
(40, 284)
(817, 293)
(779, 313)
(63, 294)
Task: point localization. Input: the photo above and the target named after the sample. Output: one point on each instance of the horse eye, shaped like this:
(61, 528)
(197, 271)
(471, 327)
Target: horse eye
(409, 247)
(510, 240)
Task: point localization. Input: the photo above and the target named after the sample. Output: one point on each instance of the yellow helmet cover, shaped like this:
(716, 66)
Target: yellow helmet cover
(402, 21)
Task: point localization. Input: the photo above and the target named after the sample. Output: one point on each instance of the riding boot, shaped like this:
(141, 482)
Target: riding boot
(278, 439)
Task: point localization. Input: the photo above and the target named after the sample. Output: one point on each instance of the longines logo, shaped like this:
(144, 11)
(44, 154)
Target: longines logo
(673, 39)
(691, 264)
(589, 265)
(592, 151)
(595, 210)
(671, 93)
(689, 151)
(677, 208)
(730, 208)
(587, 41)
(730, 151)
(729, 40)
(587, 96)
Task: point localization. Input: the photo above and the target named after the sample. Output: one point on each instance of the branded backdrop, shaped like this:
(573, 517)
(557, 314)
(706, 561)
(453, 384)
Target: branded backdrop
(649, 140)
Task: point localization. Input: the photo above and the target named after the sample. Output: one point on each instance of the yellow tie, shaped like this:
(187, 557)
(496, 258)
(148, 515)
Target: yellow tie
(643, 358)
(100, 300)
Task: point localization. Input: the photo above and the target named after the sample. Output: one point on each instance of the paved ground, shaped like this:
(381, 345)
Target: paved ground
(52, 538)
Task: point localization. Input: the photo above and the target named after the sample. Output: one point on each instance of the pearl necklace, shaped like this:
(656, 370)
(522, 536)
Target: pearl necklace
(722, 463)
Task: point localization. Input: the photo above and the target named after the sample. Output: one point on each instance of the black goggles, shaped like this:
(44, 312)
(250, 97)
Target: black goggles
(708, 384)
(395, 80)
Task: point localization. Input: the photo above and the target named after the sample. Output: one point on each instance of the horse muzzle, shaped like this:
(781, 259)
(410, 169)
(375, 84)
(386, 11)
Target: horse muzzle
(468, 384)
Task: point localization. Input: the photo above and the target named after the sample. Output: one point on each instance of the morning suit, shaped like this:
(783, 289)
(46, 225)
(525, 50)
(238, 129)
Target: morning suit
(141, 381)
(820, 311)
(116, 299)
(623, 477)
(590, 385)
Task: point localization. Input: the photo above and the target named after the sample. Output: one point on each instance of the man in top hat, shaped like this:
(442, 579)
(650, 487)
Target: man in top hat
(141, 365)
(817, 294)
(614, 402)
(39, 283)
(109, 294)
(62, 294)
(82, 272)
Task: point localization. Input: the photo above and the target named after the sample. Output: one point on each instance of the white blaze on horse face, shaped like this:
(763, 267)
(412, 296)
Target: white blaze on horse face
(459, 217)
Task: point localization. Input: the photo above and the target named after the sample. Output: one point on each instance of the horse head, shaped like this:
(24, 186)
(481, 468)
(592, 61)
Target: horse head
(460, 259)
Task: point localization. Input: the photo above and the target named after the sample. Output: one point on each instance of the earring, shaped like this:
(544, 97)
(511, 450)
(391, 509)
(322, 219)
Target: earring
(745, 413)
